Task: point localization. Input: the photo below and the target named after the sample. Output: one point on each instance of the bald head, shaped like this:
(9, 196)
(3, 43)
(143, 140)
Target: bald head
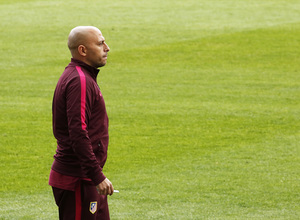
(86, 43)
(80, 36)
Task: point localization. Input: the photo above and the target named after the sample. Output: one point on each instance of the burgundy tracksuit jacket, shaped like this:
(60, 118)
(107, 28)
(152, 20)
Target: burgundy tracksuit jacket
(80, 123)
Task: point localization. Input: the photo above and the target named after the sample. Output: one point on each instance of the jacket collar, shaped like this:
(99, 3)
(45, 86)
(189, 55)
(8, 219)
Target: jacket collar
(91, 70)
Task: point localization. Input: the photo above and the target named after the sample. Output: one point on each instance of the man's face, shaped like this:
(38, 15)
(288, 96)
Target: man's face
(97, 49)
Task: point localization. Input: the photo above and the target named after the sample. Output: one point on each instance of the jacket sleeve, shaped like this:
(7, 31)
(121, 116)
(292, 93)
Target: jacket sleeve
(78, 111)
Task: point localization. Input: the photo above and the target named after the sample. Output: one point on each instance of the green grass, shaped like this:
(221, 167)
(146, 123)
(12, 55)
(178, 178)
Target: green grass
(203, 99)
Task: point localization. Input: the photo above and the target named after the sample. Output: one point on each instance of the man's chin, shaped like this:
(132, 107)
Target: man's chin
(101, 64)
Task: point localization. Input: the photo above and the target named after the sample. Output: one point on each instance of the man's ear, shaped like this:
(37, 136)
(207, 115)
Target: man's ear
(82, 50)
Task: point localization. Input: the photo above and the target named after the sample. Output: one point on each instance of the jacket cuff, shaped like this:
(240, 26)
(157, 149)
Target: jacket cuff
(99, 178)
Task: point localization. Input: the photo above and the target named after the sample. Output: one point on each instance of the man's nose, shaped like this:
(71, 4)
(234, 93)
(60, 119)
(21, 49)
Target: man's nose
(106, 47)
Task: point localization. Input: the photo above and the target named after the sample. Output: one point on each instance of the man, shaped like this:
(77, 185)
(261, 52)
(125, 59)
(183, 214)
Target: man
(80, 125)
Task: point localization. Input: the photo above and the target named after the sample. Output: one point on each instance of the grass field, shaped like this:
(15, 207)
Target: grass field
(203, 99)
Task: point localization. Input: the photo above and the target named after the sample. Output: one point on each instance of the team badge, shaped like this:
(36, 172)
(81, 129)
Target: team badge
(93, 207)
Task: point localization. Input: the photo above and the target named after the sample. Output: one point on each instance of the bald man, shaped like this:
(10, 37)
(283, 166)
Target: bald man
(80, 126)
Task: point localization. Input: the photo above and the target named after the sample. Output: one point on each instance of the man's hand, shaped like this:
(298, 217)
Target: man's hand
(105, 188)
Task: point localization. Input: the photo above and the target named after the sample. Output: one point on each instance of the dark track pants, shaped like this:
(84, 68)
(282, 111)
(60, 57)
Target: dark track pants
(83, 204)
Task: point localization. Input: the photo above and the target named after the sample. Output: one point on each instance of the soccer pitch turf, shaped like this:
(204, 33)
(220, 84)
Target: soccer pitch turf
(203, 100)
